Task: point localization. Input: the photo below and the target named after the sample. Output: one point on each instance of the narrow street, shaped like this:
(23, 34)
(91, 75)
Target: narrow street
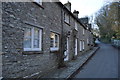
(104, 64)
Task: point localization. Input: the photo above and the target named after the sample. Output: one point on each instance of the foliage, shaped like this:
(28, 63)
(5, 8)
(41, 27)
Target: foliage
(108, 21)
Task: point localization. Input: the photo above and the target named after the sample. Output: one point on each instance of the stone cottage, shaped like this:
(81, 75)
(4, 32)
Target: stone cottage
(88, 36)
(38, 36)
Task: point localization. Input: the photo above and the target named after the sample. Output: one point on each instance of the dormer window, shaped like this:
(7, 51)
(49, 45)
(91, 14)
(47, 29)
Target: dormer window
(76, 26)
(66, 18)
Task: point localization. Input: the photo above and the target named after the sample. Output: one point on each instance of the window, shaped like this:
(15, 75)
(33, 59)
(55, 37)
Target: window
(83, 31)
(76, 26)
(80, 45)
(87, 41)
(54, 44)
(67, 18)
(83, 44)
(38, 1)
(87, 28)
(32, 39)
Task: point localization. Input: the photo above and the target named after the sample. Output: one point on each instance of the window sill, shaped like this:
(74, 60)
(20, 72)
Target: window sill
(55, 51)
(39, 5)
(67, 23)
(32, 52)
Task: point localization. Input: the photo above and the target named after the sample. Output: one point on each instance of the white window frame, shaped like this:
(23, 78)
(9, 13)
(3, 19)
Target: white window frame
(38, 1)
(66, 53)
(32, 41)
(55, 48)
(76, 47)
(67, 18)
(76, 25)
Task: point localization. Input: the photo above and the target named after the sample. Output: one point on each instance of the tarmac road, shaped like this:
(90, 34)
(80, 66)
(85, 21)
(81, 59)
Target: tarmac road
(104, 64)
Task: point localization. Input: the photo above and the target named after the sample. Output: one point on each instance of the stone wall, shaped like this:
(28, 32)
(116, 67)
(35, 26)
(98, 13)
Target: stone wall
(0, 39)
(18, 16)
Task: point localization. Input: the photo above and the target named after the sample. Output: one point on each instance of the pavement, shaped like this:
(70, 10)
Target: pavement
(72, 66)
(104, 64)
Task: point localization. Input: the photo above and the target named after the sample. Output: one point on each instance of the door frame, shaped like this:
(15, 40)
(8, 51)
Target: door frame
(66, 53)
(76, 47)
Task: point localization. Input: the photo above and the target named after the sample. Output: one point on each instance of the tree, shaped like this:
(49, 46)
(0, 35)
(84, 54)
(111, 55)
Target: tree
(107, 21)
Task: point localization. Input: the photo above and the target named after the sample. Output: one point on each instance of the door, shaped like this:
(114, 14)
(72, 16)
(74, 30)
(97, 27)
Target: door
(67, 51)
(76, 52)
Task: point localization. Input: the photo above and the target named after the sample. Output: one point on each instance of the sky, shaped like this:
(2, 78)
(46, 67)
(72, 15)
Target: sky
(85, 7)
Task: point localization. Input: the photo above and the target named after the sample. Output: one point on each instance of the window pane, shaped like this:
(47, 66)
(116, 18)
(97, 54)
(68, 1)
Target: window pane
(83, 31)
(36, 33)
(36, 43)
(36, 38)
(52, 37)
(67, 18)
(27, 43)
(27, 33)
(56, 40)
(27, 38)
(51, 42)
(76, 25)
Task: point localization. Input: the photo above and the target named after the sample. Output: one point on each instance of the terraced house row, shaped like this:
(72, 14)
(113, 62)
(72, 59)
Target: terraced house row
(38, 37)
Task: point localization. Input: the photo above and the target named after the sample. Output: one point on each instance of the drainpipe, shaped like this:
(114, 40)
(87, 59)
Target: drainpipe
(61, 54)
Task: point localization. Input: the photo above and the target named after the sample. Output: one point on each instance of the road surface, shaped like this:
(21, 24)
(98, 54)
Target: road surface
(104, 64)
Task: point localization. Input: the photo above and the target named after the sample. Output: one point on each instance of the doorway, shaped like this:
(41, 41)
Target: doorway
(76, 47)
(66, 53)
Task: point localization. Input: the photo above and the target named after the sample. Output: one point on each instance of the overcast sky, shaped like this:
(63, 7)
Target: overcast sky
(85, 7)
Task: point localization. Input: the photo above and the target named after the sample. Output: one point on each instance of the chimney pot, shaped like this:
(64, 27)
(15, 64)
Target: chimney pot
(76, 13)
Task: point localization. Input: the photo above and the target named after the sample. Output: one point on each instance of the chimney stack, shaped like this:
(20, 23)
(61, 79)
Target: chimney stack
(68, 5)
(76, 13)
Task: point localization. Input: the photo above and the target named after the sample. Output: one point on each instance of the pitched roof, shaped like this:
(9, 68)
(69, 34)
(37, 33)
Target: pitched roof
(77, 19)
